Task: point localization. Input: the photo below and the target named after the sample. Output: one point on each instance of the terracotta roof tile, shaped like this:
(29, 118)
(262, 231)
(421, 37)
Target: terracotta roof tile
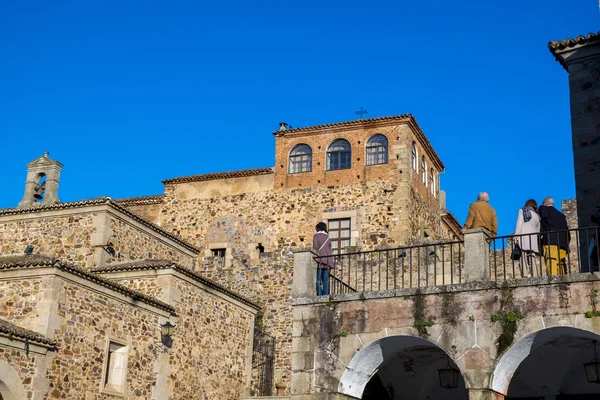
(141, 200)
(41, 261)
(166, 264)
(11, 329)
(100, 201)
(355, 122)
(221, 175)
(569, 43)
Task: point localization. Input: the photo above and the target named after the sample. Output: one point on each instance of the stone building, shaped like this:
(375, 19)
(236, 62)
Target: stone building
(229, 235)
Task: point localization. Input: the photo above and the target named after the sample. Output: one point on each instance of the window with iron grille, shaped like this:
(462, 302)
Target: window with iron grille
(377, 150)
(339, 234)
(301, 159)
(339, 155)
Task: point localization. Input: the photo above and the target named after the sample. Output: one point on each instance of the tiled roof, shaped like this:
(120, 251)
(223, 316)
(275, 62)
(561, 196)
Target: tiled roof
(355, 122)
(100, 201)
(141, 200)
(13, 330)
(221, 175)
(165, 264)
(40, 261)
(568, 43)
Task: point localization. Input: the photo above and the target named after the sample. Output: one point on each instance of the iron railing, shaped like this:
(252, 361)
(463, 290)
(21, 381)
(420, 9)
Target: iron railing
(419, 266)
(263, 355)
(544, 254)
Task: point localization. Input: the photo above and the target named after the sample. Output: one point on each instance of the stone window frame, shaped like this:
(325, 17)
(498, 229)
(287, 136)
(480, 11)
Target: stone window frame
(298, 161)
(432, 183)
(373, 150)
(220, 245)
(354, 225)
(328, 166)
(415, 156)
(104, 382)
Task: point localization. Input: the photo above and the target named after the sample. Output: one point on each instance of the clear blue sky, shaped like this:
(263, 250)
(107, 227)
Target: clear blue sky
(127, 93)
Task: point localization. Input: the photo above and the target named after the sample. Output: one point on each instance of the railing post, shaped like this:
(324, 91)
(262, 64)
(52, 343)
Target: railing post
(477, 255)
(305, 273)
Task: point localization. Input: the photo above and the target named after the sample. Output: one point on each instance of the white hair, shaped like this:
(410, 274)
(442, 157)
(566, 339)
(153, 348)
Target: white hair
(483, 196)
(548, 201)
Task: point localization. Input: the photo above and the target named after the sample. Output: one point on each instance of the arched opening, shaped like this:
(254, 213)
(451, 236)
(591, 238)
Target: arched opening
(39, 191)
(10, 383)
(400, 367)
(548, 364)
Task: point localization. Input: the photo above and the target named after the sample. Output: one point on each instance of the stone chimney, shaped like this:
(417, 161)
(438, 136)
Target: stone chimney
(41, 185)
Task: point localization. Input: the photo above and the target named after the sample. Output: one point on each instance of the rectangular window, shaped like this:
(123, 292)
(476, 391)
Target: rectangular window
(115, 367)
(218, 252)
(339, 233)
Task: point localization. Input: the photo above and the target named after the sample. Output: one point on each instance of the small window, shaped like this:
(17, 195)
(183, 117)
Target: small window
(424, 170)
(115, 367)
(339, 233)
(377, 150)
(414, 156)
(218, 252)
(339, 155)
(300, 159)
(432, 181)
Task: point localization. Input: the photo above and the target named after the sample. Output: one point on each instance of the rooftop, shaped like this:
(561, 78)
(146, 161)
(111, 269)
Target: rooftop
(356, 122)
(11, 329)
(221, 175)
(580, 40)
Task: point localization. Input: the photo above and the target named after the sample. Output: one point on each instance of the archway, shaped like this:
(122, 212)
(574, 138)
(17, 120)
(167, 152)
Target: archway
(399, 367)
(11, 387)
(547, 364)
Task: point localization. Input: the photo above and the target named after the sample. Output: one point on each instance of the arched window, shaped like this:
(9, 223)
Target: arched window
(377, 150)
(301, 159)
(339, 155)
(424, 170)
(432, 182)
(414, 156)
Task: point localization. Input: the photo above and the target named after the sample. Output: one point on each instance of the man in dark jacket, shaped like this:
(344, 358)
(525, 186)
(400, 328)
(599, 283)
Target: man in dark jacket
(555, 238)
(322, 245)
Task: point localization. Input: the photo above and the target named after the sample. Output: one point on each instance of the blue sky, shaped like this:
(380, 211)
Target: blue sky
(128, 93)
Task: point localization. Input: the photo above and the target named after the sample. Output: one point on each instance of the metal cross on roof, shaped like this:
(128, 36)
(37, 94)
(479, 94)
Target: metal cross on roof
(361, 112)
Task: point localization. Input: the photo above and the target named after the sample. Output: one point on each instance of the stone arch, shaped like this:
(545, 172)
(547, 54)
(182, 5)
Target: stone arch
(509, 362)
(366, 363)
(11, 387)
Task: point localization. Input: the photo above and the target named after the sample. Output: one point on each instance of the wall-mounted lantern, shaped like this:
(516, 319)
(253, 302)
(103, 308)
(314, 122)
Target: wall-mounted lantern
(449, 376)
(592, 368)
(166, 334)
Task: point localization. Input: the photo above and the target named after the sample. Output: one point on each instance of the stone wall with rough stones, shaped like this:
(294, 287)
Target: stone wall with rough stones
(68, 238)
(132, 243)
(212, 342)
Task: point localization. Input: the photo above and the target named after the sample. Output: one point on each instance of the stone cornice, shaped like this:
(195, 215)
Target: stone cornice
(557, 48)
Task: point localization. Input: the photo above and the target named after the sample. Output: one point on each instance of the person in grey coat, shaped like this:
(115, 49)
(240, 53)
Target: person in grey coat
(322, 245)
(528, 224)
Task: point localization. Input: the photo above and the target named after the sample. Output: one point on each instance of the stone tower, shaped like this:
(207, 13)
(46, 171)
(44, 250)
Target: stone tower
(581, 58)
(41, 186)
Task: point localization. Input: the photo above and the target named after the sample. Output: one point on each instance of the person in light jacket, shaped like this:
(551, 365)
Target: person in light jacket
(322, 245)
(528, 224)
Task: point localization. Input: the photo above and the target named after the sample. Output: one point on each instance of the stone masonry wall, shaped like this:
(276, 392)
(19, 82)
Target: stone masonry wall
(23, 364)
(132, 243)
(67, 238)
(210, 343)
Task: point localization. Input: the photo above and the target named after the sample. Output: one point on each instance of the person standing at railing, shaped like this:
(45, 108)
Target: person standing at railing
(555, 245)
(528, 224)
(322, 245)
(482, 215)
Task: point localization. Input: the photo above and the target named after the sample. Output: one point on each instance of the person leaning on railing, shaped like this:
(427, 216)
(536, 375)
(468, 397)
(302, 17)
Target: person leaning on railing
(322, 245)
(555, 245)
(482, 215)
(528, 225)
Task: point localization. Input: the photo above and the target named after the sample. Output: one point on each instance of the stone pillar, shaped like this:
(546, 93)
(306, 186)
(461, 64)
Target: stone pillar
(484, 394)
(305, 273)
(581, 58)
(477, 255)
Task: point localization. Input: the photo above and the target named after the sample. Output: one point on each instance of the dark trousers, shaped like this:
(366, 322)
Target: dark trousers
(322, 281)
